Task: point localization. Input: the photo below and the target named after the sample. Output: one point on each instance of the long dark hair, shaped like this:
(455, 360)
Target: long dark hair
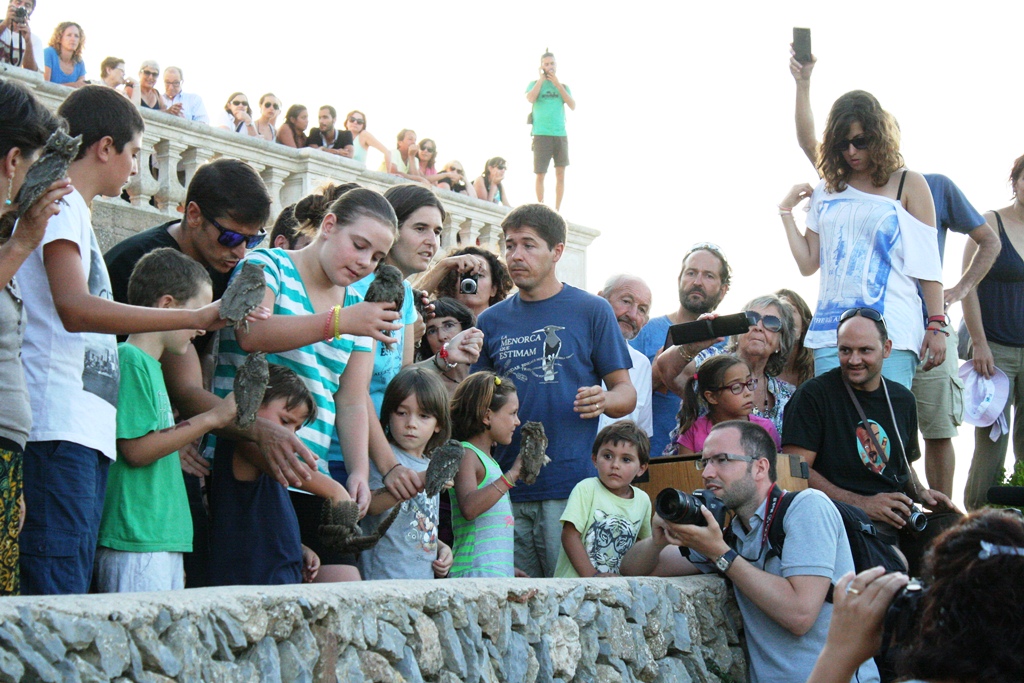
(478, 393)
(493, 161)
(447, 308)
(803, 359)
(708, 378)
(500, 279)
(293, 113)
(430, 394)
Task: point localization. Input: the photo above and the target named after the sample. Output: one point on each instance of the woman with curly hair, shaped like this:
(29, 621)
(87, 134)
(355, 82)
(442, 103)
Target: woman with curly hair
(800, 364)
(63, 57)
(968, 623)
(492, 281)
(870, 232)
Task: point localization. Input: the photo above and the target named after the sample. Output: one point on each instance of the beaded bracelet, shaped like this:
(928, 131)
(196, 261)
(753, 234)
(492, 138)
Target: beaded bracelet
(327, 326)
(443, 355)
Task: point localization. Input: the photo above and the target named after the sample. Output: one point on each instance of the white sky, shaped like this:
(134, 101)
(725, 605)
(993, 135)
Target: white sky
(683, 129)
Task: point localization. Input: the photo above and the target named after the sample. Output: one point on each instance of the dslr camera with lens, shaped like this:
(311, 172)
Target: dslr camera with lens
(467, 283)
(680, 507)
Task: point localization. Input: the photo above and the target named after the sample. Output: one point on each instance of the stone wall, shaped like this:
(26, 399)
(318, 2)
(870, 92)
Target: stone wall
(517, 630)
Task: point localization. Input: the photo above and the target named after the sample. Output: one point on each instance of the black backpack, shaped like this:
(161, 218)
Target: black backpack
(867, 548)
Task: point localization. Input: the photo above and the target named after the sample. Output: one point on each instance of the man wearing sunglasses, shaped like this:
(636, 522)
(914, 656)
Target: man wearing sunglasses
(782, 596)
(226, 207)
(188, 106)
(822, 420)
(329, 139)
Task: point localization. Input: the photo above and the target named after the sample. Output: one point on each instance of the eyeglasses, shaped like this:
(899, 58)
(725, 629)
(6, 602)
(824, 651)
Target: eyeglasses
(738, 387)
(446, 326)
(869, 313)
(240, 103)
(722, 458)
(151, 74)
(859, 142)
(172, 84)
(275, 105)
(772, 323)
(353, 119)
(231, 239)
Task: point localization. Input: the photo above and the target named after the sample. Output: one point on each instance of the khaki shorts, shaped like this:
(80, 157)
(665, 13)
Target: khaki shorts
(940, 395)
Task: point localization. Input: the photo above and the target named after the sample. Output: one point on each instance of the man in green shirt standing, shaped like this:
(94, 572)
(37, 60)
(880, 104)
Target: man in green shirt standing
(548, 96)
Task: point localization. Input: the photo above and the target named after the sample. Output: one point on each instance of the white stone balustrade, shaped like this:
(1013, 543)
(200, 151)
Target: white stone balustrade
(171, 144)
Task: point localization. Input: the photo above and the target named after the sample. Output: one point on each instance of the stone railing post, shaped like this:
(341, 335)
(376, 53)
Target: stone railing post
(274, 178)
(469, 231)
(191, 159)
(492, 238)
(170, 192)
(142, 186)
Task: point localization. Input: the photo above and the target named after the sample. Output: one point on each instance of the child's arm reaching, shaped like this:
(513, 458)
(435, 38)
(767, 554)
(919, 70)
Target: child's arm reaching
(310, 565)
(145, 450)
(572, 543)
(443, 564)
(319, 484)
(474, 501)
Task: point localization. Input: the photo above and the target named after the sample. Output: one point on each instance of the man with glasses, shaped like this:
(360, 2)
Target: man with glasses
(18, 45)
(824, 424)
(549, 97)
(329, 139)
(226, 207)
(189, 106)
(703, 282)
(783, 597)
(630, 298)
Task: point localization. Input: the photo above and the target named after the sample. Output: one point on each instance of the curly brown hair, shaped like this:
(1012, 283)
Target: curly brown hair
(502, 281)
(971, 625)
(879, 128)
(58, 34)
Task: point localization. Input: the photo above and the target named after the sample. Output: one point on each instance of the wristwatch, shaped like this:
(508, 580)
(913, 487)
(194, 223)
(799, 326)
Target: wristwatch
(725, 561)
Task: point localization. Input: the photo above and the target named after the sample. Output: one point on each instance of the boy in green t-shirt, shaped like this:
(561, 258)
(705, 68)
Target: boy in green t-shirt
(146, 524)
(606, 514)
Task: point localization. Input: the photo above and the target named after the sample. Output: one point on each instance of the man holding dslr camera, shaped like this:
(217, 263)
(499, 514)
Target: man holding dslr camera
(18, 45)
(782, 596)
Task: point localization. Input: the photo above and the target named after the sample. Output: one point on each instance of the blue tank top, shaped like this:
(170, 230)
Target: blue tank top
(1001, 295)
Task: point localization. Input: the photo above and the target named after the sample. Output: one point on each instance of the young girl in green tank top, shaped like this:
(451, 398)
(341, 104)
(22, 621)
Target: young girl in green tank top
(485, 412)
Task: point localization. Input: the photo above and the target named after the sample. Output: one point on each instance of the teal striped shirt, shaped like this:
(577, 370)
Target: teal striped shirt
(484, 546)
(319, 365)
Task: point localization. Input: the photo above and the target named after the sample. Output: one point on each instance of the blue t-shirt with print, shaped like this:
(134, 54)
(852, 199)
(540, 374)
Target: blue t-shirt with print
(952, 210)
(664, 404)
(387, 358)
(550, 349)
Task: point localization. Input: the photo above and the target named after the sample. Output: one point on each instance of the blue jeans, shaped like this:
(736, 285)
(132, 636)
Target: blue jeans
(65, 484)
(900, 366)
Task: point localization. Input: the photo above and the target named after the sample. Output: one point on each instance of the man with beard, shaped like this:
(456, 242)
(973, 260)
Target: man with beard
(630, 298)
(703, 283)
(782, 595)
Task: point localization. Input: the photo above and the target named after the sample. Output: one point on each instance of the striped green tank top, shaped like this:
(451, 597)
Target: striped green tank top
(484, 546)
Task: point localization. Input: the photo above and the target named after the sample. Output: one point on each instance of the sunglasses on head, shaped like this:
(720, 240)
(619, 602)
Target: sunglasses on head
(869, 313)
(859, 142)
(738, 387)
(704, 246)
(353, 119)
(275, 105)
(240, 103)
(152, 74)
(772, 323)
(231, 239)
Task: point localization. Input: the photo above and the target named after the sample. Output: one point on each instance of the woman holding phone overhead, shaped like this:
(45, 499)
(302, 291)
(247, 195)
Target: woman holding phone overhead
(870, 232)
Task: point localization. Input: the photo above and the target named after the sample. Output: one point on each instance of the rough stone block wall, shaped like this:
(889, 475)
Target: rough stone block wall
(609, 630)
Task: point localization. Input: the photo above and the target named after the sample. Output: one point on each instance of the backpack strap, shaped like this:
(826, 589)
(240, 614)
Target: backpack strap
(776, 529)
(899, 192)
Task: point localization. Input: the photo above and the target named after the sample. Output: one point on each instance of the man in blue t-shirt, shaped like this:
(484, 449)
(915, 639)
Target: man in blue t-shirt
(549, 96)
(703, 283)
(557, 344)
(937, 389)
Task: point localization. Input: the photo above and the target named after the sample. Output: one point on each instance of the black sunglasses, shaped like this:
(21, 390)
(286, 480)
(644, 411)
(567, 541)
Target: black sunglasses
(500, 167)
(772, 323)
(429, 150)
(240, 103)
(353, 119)
(275, 105)
(153, 74)
(231, 239)
(869, 313)
(859, 142)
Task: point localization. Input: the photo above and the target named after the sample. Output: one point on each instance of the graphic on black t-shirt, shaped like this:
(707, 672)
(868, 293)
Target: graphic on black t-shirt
(869, 455)
(607, 540)
(541, 351)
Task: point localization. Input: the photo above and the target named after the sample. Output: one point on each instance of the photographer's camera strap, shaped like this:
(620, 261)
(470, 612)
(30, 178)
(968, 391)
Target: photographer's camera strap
(874, 439)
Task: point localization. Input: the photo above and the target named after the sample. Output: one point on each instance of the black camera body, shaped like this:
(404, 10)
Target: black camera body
(20, 15)
(680, 507)
(468, 283)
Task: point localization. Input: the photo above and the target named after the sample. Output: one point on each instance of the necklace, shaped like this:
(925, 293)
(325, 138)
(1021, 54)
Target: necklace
(763, 382)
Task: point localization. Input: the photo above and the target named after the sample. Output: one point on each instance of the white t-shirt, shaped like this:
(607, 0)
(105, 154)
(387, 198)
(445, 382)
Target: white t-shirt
(640, 376)
(11, 42)
(72, 377)
(873, 252)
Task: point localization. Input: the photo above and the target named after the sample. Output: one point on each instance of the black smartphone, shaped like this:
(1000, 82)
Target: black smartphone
(703, 330)
(802, 44)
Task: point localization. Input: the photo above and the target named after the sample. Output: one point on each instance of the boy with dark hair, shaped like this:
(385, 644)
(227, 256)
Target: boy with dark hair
(254, 530)
(606, 514)
(146, 525)
(70, 352)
